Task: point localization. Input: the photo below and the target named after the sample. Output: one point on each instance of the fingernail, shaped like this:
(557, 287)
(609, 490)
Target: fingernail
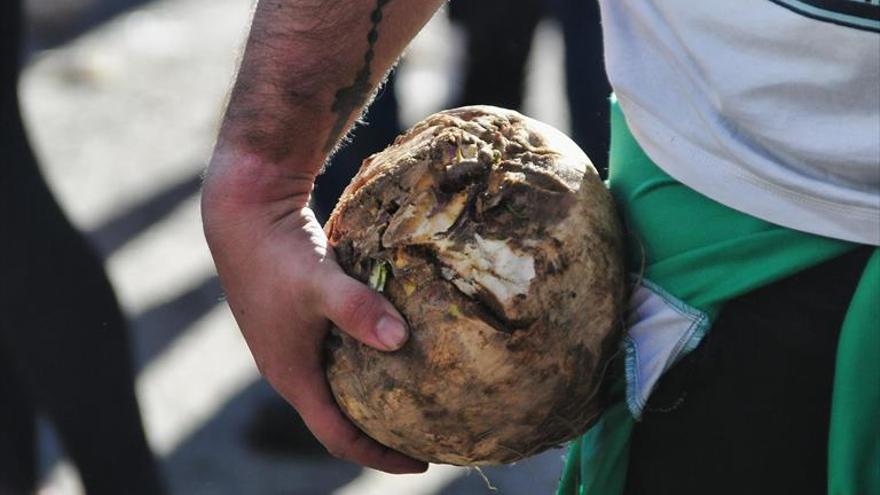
(391, 332)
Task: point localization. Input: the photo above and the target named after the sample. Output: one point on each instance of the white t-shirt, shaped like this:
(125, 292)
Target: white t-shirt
(771, 107)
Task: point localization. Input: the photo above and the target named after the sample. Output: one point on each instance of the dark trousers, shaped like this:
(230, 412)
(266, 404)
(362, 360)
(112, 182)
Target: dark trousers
(748, 411)
(63, 343)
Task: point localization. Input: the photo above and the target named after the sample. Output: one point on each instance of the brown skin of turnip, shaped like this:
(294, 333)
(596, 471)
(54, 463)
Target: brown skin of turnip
(501, 247)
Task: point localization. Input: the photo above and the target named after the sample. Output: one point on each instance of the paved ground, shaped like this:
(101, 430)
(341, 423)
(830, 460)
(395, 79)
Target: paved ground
(122, 100)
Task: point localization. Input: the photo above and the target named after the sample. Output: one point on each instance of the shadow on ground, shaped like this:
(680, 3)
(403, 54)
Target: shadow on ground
(155, 329)
(128, 224)
(158, 327)
(215, 461)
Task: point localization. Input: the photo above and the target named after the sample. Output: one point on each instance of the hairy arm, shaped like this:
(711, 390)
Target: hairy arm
(308, 69)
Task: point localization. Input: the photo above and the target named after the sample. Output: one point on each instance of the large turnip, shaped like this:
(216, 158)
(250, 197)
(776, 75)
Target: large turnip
(495, 238)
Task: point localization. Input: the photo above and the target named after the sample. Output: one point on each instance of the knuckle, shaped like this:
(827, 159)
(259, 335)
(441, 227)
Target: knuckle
(345, 446)
(339, 451)
(359, 305)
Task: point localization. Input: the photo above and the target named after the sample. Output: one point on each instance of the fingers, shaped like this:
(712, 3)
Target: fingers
(283, 287)
(362, 312)
(339, 436)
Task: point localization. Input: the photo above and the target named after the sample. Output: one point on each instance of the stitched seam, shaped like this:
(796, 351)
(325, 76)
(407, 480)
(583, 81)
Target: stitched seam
(631, 358)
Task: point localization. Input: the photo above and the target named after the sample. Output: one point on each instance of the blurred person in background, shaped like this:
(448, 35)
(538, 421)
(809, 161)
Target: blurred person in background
(746, 165)
(63, 343)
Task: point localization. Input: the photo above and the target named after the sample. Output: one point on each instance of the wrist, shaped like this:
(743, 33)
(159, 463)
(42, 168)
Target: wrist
(243, 192)
(240, 179)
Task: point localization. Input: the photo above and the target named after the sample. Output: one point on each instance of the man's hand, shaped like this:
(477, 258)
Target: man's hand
(285, 289)
(308, 69)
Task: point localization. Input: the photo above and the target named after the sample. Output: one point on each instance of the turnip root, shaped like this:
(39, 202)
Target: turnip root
(495, 238)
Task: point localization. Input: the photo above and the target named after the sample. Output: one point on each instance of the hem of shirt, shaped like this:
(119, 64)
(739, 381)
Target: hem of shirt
(734, 187)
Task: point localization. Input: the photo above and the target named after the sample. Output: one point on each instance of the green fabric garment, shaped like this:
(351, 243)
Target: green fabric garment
(854, 442)
(595, 460)
(704, 254)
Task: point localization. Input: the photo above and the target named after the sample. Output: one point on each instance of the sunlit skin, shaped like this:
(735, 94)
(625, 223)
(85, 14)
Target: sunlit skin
(308, 69)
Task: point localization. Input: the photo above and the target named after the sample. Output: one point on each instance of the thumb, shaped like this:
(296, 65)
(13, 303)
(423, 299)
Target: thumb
(362, 312)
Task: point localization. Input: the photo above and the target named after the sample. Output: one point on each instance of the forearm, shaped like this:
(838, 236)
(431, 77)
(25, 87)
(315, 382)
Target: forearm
(308, 69)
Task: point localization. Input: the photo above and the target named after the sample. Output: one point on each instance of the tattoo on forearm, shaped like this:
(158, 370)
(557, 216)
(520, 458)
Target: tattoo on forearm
(351, 98)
